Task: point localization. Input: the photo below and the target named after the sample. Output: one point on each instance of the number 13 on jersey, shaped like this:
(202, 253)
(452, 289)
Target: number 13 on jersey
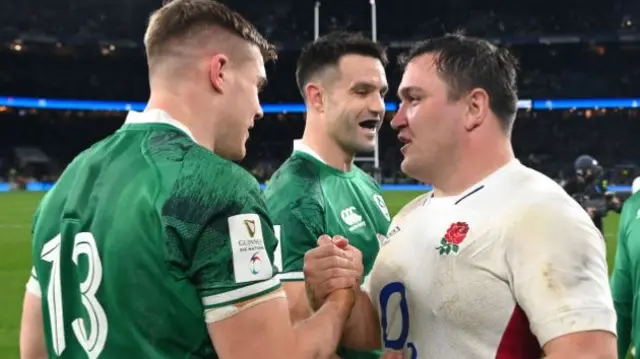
(92, 335)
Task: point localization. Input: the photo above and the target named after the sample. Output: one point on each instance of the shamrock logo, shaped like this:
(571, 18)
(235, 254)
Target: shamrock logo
(452, 239)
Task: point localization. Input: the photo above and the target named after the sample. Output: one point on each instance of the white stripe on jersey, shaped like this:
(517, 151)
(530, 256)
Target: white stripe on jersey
(239, 294)
(291, 276)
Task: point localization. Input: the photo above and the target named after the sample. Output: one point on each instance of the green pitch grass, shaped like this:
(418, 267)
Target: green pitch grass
(16, 209)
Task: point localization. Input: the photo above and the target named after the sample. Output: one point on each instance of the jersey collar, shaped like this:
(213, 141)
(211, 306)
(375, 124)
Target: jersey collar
(497, 178)
(299, 146)
(157, 116)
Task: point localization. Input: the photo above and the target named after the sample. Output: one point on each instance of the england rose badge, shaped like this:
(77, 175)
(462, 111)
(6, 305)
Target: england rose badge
(456, 233)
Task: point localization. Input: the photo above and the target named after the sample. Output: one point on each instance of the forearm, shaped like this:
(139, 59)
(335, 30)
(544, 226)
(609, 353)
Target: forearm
(32, 342)
(319, 335)
(362, 329)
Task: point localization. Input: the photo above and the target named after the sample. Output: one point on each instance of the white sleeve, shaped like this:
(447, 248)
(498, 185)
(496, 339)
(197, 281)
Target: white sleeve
(33, 286)
(558, 269)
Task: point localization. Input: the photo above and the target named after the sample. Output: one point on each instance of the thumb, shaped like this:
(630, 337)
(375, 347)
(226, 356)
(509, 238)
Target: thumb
(323, 240)
(340, 242)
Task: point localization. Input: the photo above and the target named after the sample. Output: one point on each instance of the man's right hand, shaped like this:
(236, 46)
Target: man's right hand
(333, 266)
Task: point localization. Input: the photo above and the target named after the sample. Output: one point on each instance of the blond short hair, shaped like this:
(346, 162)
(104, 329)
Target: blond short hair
(180, 19)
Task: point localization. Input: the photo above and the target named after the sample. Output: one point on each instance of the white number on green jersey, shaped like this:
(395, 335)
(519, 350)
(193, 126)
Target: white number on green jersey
(93, 339)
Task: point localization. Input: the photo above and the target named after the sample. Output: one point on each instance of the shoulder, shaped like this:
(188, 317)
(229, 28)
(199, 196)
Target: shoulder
(206, 171)
(630, 209)
(541, 208)
(296, 170)
(409, 208)
(633, 202)
(296, 181)
(533, 194)
(539, 192)
(367, 179)
(207, 184)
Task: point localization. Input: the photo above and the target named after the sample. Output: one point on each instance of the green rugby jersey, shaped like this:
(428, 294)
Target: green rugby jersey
(625, 280)
(307, 198)
(143, 233)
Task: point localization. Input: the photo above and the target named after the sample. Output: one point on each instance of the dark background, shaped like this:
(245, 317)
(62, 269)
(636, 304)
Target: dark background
(92, 49)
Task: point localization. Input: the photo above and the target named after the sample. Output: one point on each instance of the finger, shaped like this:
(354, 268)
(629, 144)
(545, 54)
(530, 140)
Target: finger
(319, 269)
(333, 262)
(340, 241)
(326, 251)
(328, 284)
(324, 239)
(355, 252)
(323, 269)
(334, 284)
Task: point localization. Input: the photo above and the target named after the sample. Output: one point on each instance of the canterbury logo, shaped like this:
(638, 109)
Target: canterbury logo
(251, 227)
(350, 216)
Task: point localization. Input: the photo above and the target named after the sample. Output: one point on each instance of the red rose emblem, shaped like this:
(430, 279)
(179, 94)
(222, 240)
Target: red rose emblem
(457, 232)
(454, 236)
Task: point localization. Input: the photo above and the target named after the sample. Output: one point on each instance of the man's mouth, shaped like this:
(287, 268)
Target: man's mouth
(370, 124)
(404, 140)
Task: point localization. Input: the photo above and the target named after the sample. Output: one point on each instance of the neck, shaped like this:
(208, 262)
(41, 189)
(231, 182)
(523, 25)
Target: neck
(316, 138)
(180, 105)
(472, 167)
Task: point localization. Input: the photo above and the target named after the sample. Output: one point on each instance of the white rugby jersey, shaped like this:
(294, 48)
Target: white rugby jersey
(496, 272)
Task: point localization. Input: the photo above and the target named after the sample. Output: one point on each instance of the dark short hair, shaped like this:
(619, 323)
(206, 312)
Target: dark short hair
(327, 51)
(179, 19)
(466, 63)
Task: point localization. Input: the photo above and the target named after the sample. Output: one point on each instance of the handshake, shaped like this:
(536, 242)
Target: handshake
(332, 271)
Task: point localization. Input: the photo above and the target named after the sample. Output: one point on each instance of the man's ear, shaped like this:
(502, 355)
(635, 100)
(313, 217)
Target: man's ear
(217, 73)
(313, 95)
(478, 108)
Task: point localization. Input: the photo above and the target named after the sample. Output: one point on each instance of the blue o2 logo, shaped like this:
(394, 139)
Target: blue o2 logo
(396, 317)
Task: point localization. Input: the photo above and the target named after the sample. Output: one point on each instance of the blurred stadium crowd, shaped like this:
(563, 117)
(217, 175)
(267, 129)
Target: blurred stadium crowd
(92, 50)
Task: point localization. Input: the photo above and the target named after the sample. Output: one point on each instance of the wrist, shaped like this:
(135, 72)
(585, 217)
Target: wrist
(342, 300)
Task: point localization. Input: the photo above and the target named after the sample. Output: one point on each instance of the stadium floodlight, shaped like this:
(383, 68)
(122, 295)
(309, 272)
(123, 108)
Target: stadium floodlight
(316, 21)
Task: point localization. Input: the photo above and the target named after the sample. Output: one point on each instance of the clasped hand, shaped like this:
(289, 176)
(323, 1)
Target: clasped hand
(331, 266)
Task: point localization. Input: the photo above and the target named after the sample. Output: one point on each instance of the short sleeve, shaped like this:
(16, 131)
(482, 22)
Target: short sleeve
(299, 224)
(33, 286)
(557, 263)
(219, 234)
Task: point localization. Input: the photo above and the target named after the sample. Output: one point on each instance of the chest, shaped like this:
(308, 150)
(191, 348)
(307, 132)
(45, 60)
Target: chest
(450, 264)
(359, 214)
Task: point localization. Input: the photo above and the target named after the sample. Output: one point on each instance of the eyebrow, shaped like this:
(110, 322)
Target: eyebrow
(404, 91)
(370, 86)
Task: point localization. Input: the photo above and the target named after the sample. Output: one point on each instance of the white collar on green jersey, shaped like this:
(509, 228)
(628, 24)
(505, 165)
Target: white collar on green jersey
(635, 186)
(300, 146)
(157, 116)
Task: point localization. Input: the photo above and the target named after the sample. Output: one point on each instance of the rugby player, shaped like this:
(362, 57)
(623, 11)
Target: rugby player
(319, 190)
(496, 262)
(624, 279)
(153, 243)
